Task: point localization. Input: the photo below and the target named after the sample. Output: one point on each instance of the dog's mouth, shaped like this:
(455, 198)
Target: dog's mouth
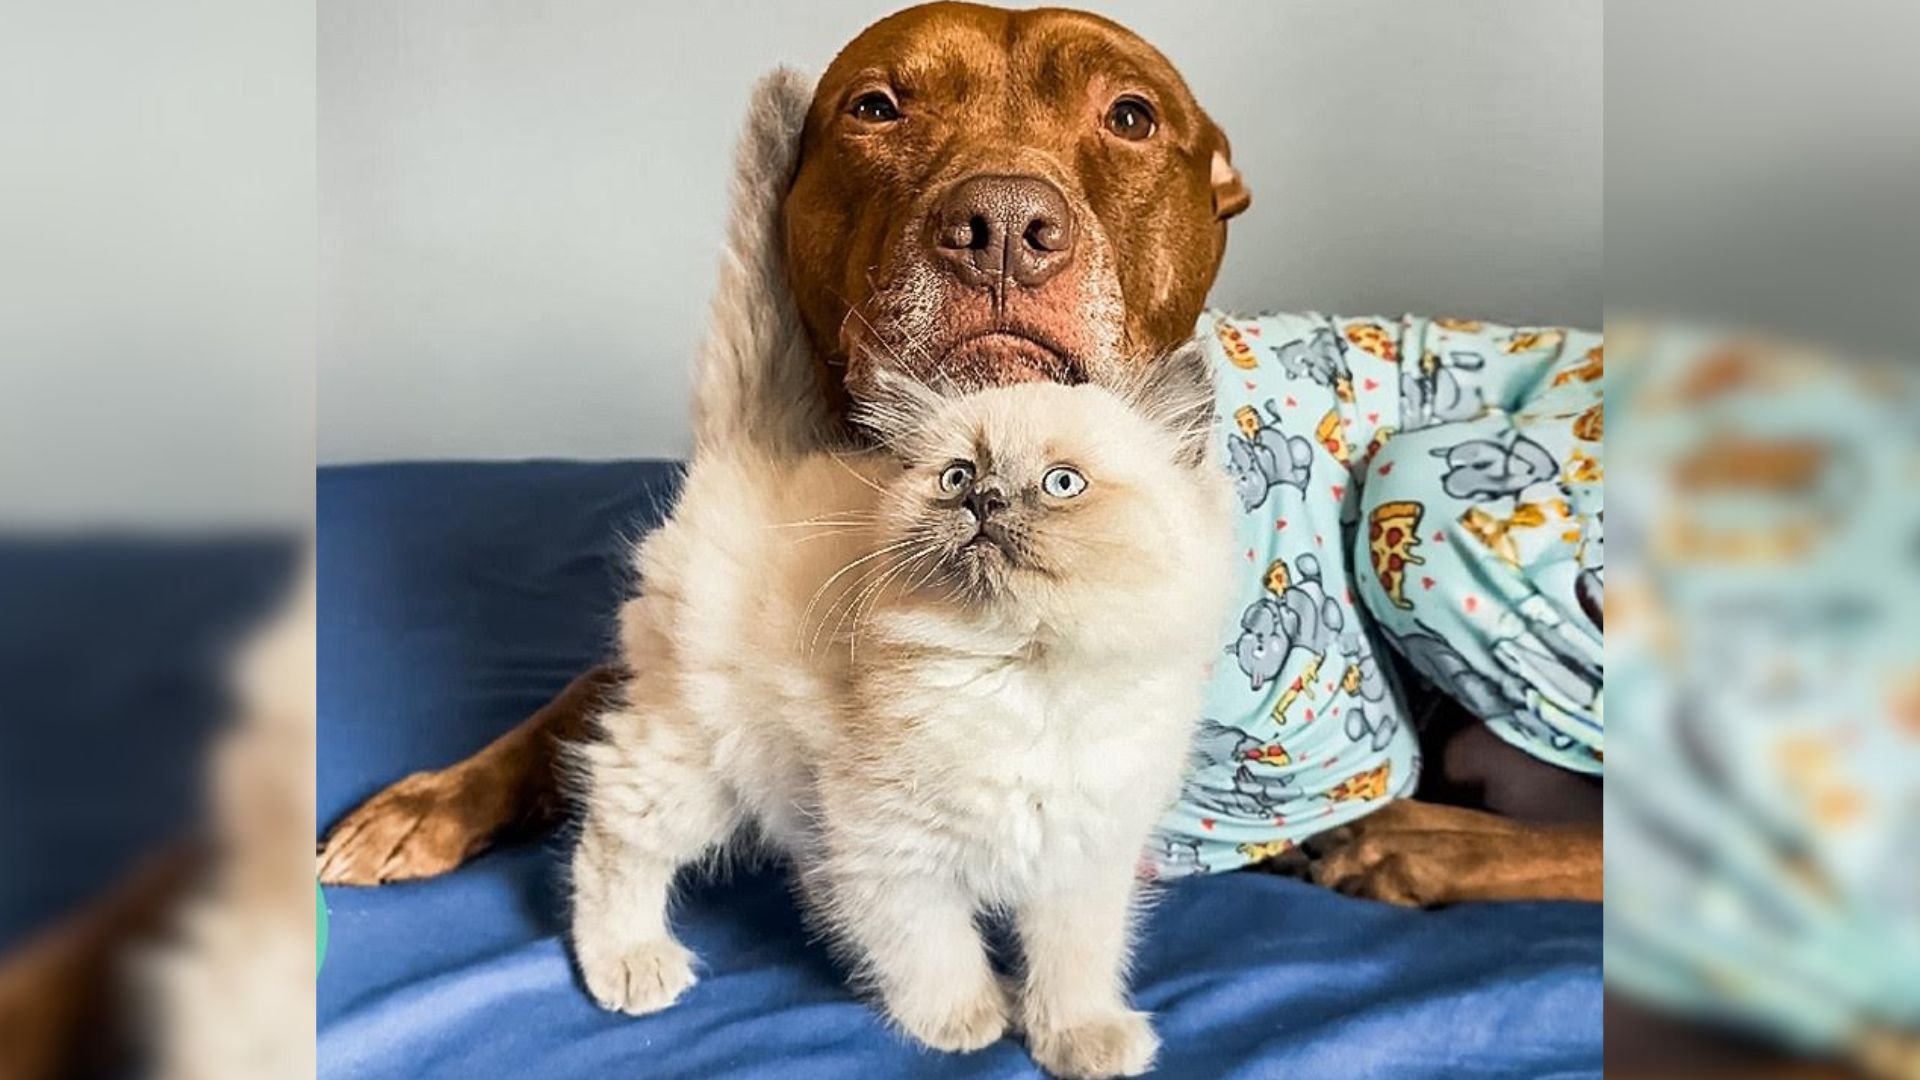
(999, 357)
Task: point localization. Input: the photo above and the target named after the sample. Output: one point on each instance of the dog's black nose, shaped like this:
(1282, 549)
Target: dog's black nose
(996, 231)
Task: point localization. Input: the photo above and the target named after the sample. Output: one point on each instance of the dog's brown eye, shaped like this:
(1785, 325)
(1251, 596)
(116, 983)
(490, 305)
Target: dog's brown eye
(1131, 119)
(875, 107)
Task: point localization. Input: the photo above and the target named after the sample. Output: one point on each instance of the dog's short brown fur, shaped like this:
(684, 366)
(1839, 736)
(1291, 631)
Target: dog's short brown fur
(983, 92)
(967, 204)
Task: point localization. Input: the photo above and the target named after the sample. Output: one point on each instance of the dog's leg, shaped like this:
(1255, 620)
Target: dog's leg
(1074, 1005)
(1422, 854)
(60, 1014)
(1545, 843)
(653, 805)
(431, 822)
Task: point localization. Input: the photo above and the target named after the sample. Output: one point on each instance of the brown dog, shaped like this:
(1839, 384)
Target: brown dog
(992, 196)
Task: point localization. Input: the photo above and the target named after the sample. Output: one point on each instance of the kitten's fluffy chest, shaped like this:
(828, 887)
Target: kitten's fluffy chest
(1037, 761)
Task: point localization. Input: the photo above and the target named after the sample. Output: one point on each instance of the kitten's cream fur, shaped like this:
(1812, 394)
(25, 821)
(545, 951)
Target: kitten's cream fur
(931, 726)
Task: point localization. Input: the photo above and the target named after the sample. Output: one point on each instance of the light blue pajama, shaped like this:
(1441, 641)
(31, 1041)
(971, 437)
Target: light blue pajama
(1429, 484)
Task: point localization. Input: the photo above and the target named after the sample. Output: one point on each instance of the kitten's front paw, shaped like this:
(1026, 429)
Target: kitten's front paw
(641, 979)
(957, 1026)
(1122, 1044)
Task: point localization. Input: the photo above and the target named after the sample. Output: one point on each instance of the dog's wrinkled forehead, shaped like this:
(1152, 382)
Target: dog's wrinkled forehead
(976, 67)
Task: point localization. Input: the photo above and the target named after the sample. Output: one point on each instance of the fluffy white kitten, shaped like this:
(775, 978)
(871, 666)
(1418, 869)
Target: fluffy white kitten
(954, 676)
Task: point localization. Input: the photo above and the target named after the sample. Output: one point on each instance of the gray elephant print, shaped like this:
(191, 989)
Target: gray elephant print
(1296, 613)
(1481, 470)
(1217, 744)
(1376, 733)
(1432, 394)
(1482, 694)
(1252, 795)
(1362, 678)
(1180, 855)
(1262, 456)
(1318, 358)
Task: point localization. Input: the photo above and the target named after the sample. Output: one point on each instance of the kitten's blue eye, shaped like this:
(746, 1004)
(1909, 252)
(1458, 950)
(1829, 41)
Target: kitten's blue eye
(955, 476)
(1063, 482)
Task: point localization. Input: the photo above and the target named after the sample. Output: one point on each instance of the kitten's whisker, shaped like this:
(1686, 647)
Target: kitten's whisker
(851, 597)
(870, 595)
(876, 594)
(850, 517)
(933, 568)
(828, 528)
(814, 601)
(827, 533)
(851, 471)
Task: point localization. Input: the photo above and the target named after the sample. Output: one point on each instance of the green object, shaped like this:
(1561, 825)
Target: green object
(320, 926)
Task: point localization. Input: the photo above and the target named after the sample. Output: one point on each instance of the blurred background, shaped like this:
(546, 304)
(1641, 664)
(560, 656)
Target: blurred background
(520, 205)
(156, 491)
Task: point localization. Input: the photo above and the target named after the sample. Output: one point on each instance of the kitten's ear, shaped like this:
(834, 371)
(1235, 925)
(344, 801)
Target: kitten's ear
(1177, 393)
(894, 407)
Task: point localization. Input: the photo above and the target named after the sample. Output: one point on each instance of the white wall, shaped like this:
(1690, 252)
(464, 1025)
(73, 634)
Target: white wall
(520, 204)
(156, 265)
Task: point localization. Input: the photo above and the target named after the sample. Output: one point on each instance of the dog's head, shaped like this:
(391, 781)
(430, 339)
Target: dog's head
(993, 196)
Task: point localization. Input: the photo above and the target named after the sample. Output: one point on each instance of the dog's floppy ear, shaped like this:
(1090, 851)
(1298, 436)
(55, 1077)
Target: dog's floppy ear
(1177, 393)
(1230, 194)
(754, 379)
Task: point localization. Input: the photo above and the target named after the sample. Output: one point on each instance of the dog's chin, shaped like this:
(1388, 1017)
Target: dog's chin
(999, 358)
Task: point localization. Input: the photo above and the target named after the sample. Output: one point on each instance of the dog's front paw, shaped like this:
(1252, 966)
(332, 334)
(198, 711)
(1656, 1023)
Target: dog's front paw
(1375, 867)
(420, 827)
(1122, 1044)
(1415, 854)
(638, 979)
(956, 1025)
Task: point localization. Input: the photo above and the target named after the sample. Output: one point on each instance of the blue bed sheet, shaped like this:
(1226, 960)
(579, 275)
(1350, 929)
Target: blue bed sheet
(457, 598)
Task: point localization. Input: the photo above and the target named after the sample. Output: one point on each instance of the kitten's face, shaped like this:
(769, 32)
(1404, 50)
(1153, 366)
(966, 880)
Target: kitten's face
(1038, 493)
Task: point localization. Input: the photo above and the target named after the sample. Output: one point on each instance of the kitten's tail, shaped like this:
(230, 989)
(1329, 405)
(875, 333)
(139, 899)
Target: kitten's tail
(755, 377)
